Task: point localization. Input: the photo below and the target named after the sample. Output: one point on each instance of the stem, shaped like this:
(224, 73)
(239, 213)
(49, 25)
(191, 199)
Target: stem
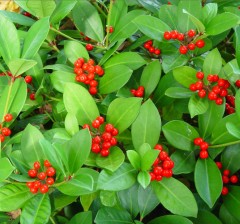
(52, 220)
(108, 21)
(224, 144)
(99, 9)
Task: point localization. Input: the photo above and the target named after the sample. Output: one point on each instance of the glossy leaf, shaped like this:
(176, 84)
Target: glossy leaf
(134, 159)
(150, 77)
(209, 12)
(168, 15)
(178, 92)
(13, 197)
(113, 80)
(183, 139)
(17, 18)
(226, 217)
(208, 181)
(171, 62)
(185, 75)
(119, 10)
(151, 26)
(81, 218)
(113, 161)
(170, 219)
(35, 37)
(71, 124)
(147, 120)
(175, 197)
(197, 105)
(89, 22)
(233, 130)
(19, 66)
(123, 111)
(206, 217)
(37, 210)
(30, 145)
(237, 48)
(75, 50)
(212, 63)
(144, 179)
(237, 103)
(221, 23)
(108, 198)
(79, 102)
(6, 168)
(123, 178)
(10, 46)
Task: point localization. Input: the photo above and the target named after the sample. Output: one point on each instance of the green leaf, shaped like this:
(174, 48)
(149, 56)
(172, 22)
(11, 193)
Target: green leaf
(35, 37)
(221, 23)
(113, 161)
(37, 210)
(110, 215)
(17, 18)
(119, 10)
(125, 27)
(10, 46)
(226, 217)
(60, 78)
(81, 218)
(210, 118)
(208, 181)
(108, 198)
(237, 103)
(175, 197)
(232, 201)
(41, 8)
(130, 59)
(151, 26)
(150, 77)
(197, 105)
(184, 162)
(4, 218)
(212, 63)
(148, 156)
(6, 168)
(19, 66)
(87, 199)
(81, 184)
(79, 148)
(13, 197)
(170, 219)
(209, 12)
(74, 50)
(233, 130)
(113, 80)
(134, 159)
(147, 120)
(79, 102)
(206, 217)
(129, 199)
(89, 22)
(123, 111)
(62, 9)
(237, 39)
(71, 124)
(147, 200)
(144, 178)
(185, 75)
(123, 178)
(168, 15)
(178, 92)
(180, 134)
(230, 158)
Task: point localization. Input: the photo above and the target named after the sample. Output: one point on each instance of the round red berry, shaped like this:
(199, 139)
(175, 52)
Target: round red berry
(219, 101)
(2, 138)
(174, 34)
(50, 171)
(8, 117)
(224, 190)
(234, 179)
(203, 146)
(212, 96)
(203, 154)
(114, 132)
(113, 141)
(200, 43)
(96, 123)
(153, 176)
(32, 96)
(157, 51)
(191, 33)
(191, 46)
(33, 190)
(151, 49)
(95, 148)
(226, 172)
(197, 141)
(29, 184)
(92, 90)
(219, 165)
(225, 179)
(180, 36)
(237, 83)
(158, 147)
(192, 87)
(183, 49)
(50, 181)
(111, 29)
(158, 170)
(89, 47)
(6, 131)
(167, 35)
(36, 165)
(28, 79)
(43, 189)
(32, 173)
(163, 155)
(158, 178)
(106, 136)
(202, 93)
(41, 176)
(200, 75)
(104, 152)
(47, 163)
(106, 145)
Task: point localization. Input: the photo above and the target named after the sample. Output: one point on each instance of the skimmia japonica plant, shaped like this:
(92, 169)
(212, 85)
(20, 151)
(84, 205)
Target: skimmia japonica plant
(120, 111)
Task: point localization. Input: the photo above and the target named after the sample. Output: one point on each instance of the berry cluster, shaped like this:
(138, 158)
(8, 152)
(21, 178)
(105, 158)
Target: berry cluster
(45, 178)
(149, 46)
(230, 104)
(103, 138)
(203, 147)
(139, 92)
(226, 178)
(214, 91)
(162, 166)
(85, 73)
(4, 131)
(186, 39)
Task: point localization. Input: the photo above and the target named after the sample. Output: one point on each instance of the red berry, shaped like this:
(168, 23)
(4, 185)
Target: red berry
(225, 179)
(104, 152)
(224, 190)
(203, 154)
(168, 164)
(36, 184)
(215, 78)
(113, 141)
(93, 83)
(199, 85)
(29, 184)
(157, 51)
(95, 148)
(106, 136)
(28, 79)
(2, 138)
(47, 163)
(50, 171)
(180, 36)
(32, 96)
(219, 165)
(109, 128)
(158, 147)
(223, 92)
(111, 29)
(8, 117)
(167, 35)
(202, 93)
(27, 14)
(89, 47)
(200, 43)
(210, 78)
(174, 34)
(156, 162)
(33, 190)
(192, 87)
(151, 49)
(97, 139)
(106, 145)
(114, 132)
(212, 96)
(6, 131)
(32, 173)
(226, 172)
(153, 176)
(234, 179)
(183, 49)
(92, 90)
(197, 141)
(237, 83)
(146, 45)
(100, 119)
(158, 178)
(221, 82)
(167, 173)
(44, 189)
(96, 123)
(50, 181)
(203, 146)
(163, 155)
(158, 170)
(200, 75)
(36, 165)
(219, 101)
(191, 46)
(191, 33)
(41, 176)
